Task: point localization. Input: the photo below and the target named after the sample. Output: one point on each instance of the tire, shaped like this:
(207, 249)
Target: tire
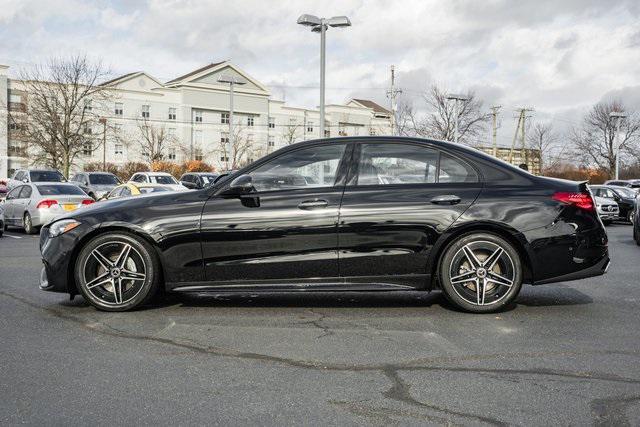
(493, 269)
(630, 217)
(111, 283)
(27, 224)
(2, 226)
(636, 234)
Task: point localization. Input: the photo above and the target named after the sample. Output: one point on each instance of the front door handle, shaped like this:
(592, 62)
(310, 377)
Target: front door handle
(313, 204)
(446, 199)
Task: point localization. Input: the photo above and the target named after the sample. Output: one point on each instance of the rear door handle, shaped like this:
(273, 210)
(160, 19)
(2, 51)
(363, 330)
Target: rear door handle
(446, 199)
(313, 204)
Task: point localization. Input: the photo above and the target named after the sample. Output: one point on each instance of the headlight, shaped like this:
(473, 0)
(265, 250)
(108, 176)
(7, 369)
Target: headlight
(61, 227)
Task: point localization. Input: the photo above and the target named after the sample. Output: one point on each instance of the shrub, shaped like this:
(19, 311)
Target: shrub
(98, 167)
(125, 171)
(198, 166)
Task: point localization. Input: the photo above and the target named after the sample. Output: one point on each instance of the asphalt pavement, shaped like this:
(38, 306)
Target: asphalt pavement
(564, 354)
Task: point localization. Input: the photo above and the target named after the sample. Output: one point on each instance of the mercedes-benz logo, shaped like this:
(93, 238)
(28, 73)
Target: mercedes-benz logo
(115, 272)
(481, 273)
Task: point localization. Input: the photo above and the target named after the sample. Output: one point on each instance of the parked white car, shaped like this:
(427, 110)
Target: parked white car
(608, 209)
(163, 178)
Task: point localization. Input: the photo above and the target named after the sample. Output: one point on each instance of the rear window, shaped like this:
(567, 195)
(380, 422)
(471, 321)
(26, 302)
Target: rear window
(103, 179)
(147, 190)
(163, 179)
(60, 190)
(45, 176)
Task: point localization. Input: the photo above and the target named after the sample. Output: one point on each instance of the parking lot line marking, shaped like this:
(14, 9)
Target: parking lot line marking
(13, 237)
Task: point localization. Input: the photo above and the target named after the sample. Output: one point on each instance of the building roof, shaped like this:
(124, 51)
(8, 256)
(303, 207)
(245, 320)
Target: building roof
(377, 108)
(124, 76)
(194, 72)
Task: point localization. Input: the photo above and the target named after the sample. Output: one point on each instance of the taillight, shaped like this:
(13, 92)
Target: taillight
(46, 204)
(87, 201)
(579, 200)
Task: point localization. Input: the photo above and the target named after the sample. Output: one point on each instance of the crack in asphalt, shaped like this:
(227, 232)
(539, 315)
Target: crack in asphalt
(399, 390)
(326, 330)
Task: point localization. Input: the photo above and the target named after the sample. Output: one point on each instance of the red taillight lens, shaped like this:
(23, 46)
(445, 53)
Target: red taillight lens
(579, 200)
(46, 204)
(87, 201)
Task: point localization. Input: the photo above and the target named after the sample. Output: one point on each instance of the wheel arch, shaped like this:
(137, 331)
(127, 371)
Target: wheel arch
(71, 282)
(508, 233)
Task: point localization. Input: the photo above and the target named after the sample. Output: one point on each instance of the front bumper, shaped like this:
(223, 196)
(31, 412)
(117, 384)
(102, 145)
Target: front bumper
(57, 256)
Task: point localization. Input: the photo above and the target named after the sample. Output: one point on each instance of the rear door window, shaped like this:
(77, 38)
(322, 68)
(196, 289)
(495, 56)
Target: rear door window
(46, 176)
(25, 193)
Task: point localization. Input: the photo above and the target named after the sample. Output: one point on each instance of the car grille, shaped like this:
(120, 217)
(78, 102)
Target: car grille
(609, 208)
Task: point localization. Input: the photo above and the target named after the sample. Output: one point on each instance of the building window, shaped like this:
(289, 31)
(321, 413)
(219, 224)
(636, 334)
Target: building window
(87, 105)
(224, 118)
(118, 149)
(117, 128)
(224, 137)
(327, 133)
(197, 154)
(224, 158)
(145, 112)
(271, 142)
(87, 148)
(293, 121)
(342, 130)
(372, 132)
(249, 121)
(309, 127)
(197, 116)
(145, 155)
(249, 138)
(87, 129)
(197, 137)
(172, 113)
(118, 110)
(272, 122)
(171, 134)
(172, 153)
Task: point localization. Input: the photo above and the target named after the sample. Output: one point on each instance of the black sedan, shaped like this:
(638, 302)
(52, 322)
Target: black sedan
(346, 214)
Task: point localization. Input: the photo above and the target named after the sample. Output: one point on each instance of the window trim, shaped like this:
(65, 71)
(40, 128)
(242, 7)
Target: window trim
(353, 172)
(341, 171)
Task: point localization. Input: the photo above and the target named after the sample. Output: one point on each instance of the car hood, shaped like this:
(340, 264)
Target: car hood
(605, 201)
(103, 187)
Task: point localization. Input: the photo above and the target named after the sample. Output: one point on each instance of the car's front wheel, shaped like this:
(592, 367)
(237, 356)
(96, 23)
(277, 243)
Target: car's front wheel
(117, 272)
(480, 272)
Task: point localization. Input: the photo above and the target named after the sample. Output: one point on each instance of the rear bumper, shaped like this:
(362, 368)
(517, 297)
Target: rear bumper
(597, 269)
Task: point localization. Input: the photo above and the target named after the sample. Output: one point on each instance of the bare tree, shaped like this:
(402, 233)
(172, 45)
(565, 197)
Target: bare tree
(541, 137)
(237, 154)
(153, 139)
(595, 140)
(63, 100)
(404, 118)
(440, 123)
(291, 133)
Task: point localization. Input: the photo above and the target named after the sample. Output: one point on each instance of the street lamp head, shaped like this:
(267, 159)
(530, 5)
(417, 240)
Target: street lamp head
(225, 78)
(309, 20)
(339, 21)
(457, 97)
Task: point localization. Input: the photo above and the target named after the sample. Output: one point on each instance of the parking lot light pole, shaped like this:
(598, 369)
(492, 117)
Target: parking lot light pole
(618, 116)
(103, 120)
(456, 112)
(232, 80)
(320, 25)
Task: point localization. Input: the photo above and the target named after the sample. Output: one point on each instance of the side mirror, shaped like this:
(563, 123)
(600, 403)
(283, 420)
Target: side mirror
(25, 180)
(239, 186)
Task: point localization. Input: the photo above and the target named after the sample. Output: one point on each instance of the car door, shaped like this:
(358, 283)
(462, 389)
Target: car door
(9, 204)
(285, 229)
(398, 200)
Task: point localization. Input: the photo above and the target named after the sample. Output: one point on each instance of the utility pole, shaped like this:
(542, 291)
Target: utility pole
(103, 120)
(618, 116)
(520, 128)
(494, 135)
(392, 93)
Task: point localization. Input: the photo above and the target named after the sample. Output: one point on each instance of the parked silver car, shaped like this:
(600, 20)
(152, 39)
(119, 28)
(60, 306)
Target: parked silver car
(608, 209)
(95, 184)
(26, 176)
(30, 206)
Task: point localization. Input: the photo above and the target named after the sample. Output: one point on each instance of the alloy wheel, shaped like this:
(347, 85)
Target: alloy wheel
(114, 273)
(482, 272)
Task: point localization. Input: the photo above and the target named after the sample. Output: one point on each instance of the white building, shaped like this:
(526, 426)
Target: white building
(194, 110)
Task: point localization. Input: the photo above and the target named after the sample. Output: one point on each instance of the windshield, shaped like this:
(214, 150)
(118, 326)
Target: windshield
(162, 179)
(626, 192)
(45, 176)
(147, 190)
(103, 179)
(60, 190)
(208, 179)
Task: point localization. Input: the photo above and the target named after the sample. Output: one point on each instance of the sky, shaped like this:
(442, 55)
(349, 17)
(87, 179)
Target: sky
(558, 57)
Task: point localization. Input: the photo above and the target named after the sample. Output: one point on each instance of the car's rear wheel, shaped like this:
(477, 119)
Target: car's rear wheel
(480, 272)
(27, 224)
(630, 217)
(117, 272)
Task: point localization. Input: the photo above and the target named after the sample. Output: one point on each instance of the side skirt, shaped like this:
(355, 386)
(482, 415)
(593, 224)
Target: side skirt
(330, 284)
